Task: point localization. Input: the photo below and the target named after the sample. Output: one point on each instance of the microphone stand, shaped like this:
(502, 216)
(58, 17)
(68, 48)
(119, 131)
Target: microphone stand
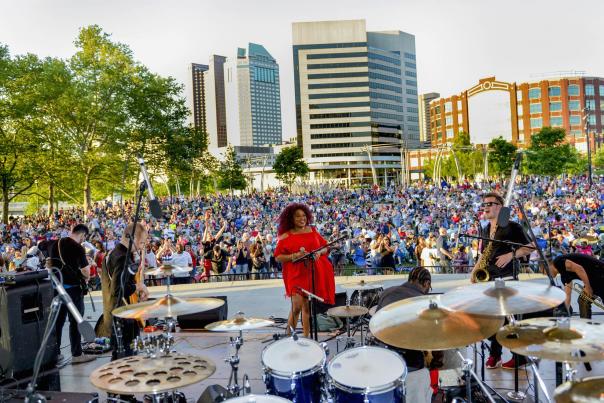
(117, 323)
(310, 262)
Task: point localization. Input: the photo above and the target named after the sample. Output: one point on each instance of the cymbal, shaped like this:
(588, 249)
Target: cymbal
(502, 298)
(168, 270)
(424, 323)
(584, 391)
(168, 306)
(239, 322)
(348, 311)
(142, 374)
(362, 286)
(545, 338)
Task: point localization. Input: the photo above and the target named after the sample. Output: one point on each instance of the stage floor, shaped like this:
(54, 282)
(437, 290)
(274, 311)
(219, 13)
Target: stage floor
(265, 298)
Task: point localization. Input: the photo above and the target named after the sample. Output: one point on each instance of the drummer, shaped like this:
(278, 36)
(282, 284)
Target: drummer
(418, 379)
(588, 269)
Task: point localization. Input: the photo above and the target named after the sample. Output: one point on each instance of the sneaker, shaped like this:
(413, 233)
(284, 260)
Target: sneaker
(511, 364)
(80, 359)
(60, 358)
(493, 362)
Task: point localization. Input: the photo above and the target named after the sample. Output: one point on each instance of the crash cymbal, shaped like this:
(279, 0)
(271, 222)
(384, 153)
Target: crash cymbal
(372, 310)
(588, 390)
(502, 298)
(168, 270)
(549, 339)
(239, 322)
(424, 323)
(348, 311)
(362, 286)
(142, 374)
(168, 306)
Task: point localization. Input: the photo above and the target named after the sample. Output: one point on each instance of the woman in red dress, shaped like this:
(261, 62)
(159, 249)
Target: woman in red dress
(296, 238)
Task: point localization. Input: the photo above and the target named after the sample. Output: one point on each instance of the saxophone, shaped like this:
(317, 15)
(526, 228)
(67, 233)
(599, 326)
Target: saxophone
(596, 300)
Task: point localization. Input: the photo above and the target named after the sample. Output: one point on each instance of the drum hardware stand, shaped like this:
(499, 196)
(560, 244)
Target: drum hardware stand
(309, 260)
(469, 373)
(516, 394)
(233, 386)
(350, 342)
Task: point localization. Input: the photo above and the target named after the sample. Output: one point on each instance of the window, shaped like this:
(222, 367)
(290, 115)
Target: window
(574, 106)
(555, 106)
(414, 83)
(520, 111)
(410, 91)
(590, 104)
(437, 110)
(336, 65)
(337, 85)
(448, 106)
(409, 56)
(337, 75)
(379, 76)
(412, 100)
(389, 69)
(534, 93)
(410, 65)
(536, 123)
(376, 56)
(574, 120)
(449, 133)
(555, 121)
(601, 90)
(535, 108)
(336, 55)
(554, 91)
(520, 124)
(573, 90)
(589, 89)
(448, 120)
(592, 120)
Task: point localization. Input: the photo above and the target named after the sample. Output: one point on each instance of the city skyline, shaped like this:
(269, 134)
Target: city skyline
(457, 43)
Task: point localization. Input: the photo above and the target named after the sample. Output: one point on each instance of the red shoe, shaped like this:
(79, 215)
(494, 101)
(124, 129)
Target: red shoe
(511, 364)
(493, 362)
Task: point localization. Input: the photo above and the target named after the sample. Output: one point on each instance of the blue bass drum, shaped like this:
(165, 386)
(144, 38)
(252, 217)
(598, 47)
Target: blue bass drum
(258, 399)
(367, 375)
(293, 369)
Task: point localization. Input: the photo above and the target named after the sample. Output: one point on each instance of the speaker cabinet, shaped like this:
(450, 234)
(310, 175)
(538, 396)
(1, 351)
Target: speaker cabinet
(197, 321)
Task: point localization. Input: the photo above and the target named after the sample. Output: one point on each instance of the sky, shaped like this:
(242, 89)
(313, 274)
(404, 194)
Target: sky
(457, 41)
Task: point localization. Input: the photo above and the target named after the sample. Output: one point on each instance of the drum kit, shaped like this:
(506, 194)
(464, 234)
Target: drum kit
(297, 369)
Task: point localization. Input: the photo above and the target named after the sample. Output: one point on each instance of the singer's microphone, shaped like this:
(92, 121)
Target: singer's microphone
(153, 202)
(84, 327)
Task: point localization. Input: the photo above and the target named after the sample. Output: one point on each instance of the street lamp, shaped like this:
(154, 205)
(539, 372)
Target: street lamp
(586, 118)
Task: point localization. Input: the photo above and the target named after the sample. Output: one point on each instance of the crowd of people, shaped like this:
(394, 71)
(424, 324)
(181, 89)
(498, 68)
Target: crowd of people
(391, 228)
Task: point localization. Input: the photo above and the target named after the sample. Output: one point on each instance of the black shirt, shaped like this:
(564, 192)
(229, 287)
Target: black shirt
(73, 255)
(594, 268)
(513, 233)
(413, 358)
(114, 266)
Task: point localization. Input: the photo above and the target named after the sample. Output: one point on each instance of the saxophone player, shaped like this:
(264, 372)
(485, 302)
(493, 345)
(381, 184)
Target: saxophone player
(588, 269)
(496, 259)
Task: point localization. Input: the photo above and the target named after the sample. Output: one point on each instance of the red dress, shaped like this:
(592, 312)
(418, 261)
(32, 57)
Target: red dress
(297, 275)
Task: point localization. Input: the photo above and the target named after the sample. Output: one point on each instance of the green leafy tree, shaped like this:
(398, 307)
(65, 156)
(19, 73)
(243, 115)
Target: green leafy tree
(289, 165)
(549, 154)
(501, 156)
(598, 159)
(231, 173)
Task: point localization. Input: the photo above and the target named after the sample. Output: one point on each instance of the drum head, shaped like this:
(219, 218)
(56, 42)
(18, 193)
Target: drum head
(367, 368)
(258, 399)
(287, 356)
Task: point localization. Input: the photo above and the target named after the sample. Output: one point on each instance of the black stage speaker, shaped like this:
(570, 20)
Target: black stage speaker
(24, 312)
(340, 301)
(197, 321)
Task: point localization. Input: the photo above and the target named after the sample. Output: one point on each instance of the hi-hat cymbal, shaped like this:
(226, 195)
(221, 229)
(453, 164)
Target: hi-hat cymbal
(424, 323)
(502, 298)
(168, 270)
(239, 322)
(142, 374)
(362, 286)
(588, 390)
(168, 306)
(348, 311)
(546, 338)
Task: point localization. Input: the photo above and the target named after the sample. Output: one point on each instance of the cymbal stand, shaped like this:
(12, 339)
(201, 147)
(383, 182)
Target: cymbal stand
(515, 394)
(466, 366)
(350, 342)
(233, 386)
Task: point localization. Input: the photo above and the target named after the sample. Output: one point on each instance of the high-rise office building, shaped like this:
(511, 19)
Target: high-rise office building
(216, 115)
(356, 99)
(424, 115)
(199, 96)
(253, 96)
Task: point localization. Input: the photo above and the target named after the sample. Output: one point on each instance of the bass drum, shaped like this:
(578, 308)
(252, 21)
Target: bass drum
(293, 369)
(367, 375)
(258, 399)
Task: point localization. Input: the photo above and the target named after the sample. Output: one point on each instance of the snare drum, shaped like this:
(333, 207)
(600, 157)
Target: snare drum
(258, 399)
(367, 375)
(294, 369)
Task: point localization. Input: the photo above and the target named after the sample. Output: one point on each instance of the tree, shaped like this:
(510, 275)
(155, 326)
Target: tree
(549, 154)
(231, 173)
(598, 159)
(501, 156)
(289, 165)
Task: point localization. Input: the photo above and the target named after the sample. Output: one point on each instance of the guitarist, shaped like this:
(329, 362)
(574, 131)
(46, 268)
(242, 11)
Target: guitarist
(133, 285)
(500, 262)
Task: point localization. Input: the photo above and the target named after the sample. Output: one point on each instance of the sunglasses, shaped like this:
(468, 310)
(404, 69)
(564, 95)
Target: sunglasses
(489, 204)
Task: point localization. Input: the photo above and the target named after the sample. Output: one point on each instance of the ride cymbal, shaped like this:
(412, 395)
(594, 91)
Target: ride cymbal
(362, 286)
(348, 311)
(168, 270)
(588, 390)
(424, 323)
(142, 374)
(239, 322)
(168, 306)
(503, 298)
(548, 338)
